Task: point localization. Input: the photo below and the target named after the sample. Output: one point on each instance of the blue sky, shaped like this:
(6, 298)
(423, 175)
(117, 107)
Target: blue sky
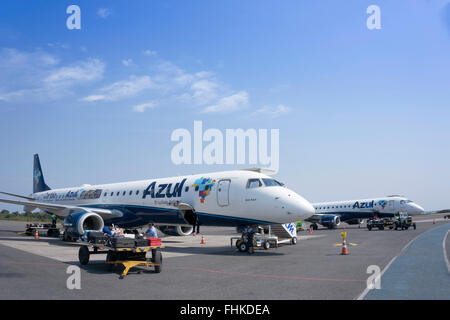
(361, 113)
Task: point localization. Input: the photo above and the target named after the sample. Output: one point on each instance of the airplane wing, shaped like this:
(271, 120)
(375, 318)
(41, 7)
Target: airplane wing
(62, 210)
(16, 195)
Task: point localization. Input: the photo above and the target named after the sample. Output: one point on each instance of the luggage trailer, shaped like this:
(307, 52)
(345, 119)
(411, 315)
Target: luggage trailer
(32, 228)
(127, 257)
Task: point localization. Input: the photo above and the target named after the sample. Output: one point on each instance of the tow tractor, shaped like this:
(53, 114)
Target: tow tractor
(52, 230)
(403, 221)
(259, 241)
(380, 223)
(125, 251)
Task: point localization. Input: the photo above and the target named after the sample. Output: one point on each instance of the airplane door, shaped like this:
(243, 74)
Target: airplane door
(223, 193)
(391, 205)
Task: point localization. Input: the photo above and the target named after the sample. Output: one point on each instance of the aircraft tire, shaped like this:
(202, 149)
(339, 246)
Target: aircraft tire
(294, 241)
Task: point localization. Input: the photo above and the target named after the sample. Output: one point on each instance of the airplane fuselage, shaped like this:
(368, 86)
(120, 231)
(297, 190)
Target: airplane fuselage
(218, 199)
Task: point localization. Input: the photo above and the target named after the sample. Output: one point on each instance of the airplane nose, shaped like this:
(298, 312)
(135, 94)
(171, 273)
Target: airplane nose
(416, 209)
(301, 207)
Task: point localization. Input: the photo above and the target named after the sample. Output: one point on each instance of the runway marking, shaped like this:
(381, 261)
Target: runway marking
(259, 275)
(34, 263)
(445, 251)
(367, 290)
(340, 244)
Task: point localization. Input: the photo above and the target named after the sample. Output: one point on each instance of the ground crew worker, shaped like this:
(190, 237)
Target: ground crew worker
(250, 235)
(151, 231)
(53, 220)
(196, 224)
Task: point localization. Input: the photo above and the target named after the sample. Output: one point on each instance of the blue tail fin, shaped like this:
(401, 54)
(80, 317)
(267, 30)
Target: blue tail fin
(38, 178)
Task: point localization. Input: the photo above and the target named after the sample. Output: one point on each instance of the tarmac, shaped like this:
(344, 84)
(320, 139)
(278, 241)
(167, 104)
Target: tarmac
(414, 265)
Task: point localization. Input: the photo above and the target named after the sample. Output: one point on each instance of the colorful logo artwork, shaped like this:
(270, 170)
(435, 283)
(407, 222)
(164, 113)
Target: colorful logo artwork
(203, 186)
(37, 175)
(382, 203)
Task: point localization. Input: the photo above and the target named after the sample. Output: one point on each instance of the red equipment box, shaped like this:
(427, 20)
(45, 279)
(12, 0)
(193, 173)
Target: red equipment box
(154, 242)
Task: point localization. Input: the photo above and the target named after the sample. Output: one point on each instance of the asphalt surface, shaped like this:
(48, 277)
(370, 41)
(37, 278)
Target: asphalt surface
(312, 269)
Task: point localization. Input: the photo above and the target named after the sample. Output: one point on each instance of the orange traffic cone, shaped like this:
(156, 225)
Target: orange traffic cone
(193, 234)
(310, 230)
(203, 240)
(36, 234)
(434, 221)
(344, 248)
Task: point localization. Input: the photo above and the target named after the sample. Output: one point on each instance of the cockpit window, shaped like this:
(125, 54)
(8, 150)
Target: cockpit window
(272, 183)
(254, 183)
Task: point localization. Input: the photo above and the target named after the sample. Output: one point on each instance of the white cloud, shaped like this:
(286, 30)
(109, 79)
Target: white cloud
(39, 76)
(122, 89)
(149, 53)
(81, 72)
(104, 13)
(127, 62)
(272, 111)
(229, 104)
(144, 106)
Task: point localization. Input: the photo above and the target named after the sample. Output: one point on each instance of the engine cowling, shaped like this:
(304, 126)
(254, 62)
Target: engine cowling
(179, 231)
(330, 222)
(77, 223)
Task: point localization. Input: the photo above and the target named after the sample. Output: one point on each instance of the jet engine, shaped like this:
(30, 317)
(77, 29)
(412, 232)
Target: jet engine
(330, 222)
(77, 223)
(178, 231)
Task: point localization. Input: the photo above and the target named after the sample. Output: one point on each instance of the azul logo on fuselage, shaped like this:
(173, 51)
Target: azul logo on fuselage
(363, 205)
(164, 190)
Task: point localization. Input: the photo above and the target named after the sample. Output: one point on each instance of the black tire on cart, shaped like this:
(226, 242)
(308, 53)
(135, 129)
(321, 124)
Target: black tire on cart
(157, 258)
(266, 245)
(369, 227)
(414, 226)
(83, 255)
(238, 243)
(294, 241)
(66, 237)
(29, 232)
(110, 257)
(243, 247)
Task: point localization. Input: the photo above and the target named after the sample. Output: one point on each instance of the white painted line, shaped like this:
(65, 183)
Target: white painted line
(445, 251)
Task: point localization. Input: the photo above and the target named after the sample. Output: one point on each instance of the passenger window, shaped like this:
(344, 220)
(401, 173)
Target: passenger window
(254, 183)
(186, 189)
(131, 192)
(137, 192)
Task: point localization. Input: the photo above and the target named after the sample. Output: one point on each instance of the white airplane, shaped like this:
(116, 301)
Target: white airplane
(231, 198)
(330, 214)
